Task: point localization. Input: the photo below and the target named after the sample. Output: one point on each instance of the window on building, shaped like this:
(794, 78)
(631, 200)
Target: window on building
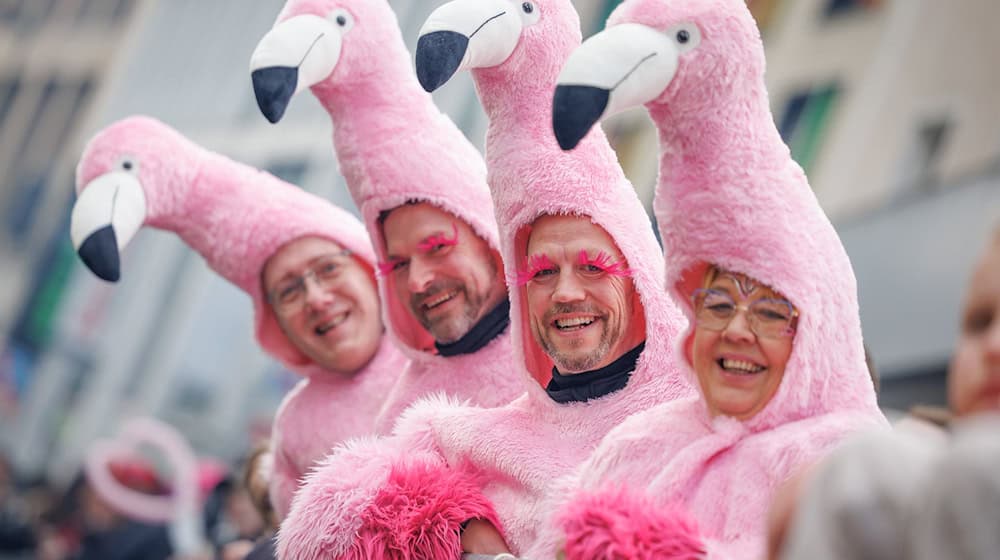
(103, 11)
(9, 88)
(838, 7)
(805, 119)
(56, 114)
(602, 13)
(763, 11)
(918, 169)
(10, 10)
(28, 16)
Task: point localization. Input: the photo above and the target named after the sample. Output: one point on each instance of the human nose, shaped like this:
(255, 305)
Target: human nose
(991, 350)
(568, 288)
(739, 328)
(420, 275)
(316, 294)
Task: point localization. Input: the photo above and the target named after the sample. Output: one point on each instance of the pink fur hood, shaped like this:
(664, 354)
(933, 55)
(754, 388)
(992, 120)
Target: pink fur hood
(511, 453)
(395, 146)
(730, 194)
(236, 217)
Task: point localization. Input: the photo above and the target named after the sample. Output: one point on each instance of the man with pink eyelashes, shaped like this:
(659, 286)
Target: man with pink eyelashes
(446, 298)
(448, 277)
(583, 307)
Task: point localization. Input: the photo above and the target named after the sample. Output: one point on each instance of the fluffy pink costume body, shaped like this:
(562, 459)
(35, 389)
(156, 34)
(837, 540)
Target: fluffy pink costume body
(729, 194)
(498, 463)
(237, 217)
(395, 146)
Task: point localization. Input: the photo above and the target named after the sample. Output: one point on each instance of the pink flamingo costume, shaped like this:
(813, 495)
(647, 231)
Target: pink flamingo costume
(394, 146)
(447, 463)
(140, 172)
(729, 194)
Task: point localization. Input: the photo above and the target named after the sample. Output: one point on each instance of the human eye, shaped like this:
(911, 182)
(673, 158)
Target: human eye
(392, 265)
(289, 292)
(718, 303)
(602, 263)
(772, 310)
(328, 269)
(540, 268)
(439, 242)
(977, 320)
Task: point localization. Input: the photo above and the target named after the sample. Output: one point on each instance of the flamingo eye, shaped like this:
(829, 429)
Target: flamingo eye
(129, 164)
(342, 18)
(529, 13)
(687, 36)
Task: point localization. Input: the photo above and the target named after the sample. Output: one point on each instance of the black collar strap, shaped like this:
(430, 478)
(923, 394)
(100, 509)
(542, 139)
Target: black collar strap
(581, 387)
(492, 325)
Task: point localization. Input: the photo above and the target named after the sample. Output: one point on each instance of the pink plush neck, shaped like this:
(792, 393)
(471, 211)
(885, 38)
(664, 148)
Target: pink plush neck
(372, 106)
(735, 128)
(199, 206)
(518, 92)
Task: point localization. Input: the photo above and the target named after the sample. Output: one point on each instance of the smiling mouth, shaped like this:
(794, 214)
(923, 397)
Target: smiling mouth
(574, 323)
(432, 302)
(739, 367)
(331, 324)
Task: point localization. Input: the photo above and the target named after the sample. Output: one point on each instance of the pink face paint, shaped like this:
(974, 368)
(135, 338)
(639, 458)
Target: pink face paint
(604, 262)
(536, 264)
(744, 284)
(439, 240)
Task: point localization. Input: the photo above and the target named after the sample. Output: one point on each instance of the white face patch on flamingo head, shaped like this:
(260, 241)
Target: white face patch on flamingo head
(296, 54)
(624, 66)
(109, 211)
(465, 34)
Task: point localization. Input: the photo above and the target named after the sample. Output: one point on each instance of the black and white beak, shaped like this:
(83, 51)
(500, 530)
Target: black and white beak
(465, 34)
(296, 54)
(108, 212)
(624, 66)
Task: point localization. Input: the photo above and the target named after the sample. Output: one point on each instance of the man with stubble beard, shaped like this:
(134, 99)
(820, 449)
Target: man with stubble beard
(447, 302)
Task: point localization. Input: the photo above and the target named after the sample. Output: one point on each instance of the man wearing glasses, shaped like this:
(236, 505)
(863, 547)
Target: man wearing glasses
(307, 266)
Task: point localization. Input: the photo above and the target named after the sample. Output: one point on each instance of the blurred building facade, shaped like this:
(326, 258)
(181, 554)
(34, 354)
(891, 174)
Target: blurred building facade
(889, 105)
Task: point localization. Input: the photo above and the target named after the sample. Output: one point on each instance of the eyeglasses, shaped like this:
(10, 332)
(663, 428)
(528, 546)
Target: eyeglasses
(290, 294)
(767, 317)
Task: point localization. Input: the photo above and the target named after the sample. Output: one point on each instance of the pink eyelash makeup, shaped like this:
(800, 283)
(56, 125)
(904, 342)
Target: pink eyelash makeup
(384, 268)
(536, 264)
(603, 261)
(428, 244)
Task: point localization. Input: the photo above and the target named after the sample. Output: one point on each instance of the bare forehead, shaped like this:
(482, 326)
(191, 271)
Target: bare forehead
(572, 233)
(298, 253)
(412, 223)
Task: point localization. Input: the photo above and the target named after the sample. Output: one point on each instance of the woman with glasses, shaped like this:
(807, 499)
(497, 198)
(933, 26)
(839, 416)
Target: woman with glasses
(774, 343)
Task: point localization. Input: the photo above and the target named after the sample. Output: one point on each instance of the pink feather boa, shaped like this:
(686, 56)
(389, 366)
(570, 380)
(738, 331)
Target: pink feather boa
(615, 524)
(417, 514)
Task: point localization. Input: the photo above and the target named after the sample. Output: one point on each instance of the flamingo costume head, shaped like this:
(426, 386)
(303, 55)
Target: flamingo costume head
(138, 171)
(729, 193)
(392, 142)
(515, 51)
